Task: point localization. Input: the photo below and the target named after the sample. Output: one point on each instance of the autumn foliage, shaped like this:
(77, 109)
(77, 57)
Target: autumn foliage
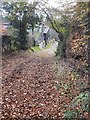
(77, 45)
(77, 54)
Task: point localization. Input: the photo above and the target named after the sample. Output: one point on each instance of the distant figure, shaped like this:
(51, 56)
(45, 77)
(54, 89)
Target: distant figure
(45, 35)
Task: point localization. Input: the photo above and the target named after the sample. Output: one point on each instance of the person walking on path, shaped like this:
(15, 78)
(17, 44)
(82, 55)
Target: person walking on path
(45, 35)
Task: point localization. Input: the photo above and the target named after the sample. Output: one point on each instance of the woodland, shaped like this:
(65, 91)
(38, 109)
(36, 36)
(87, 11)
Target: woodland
(50, 83)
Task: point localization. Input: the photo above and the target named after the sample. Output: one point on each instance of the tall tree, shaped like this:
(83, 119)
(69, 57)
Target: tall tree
(60, 21)
(21, 16)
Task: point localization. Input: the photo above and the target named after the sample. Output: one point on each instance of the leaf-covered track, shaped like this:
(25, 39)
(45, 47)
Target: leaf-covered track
(27, 86)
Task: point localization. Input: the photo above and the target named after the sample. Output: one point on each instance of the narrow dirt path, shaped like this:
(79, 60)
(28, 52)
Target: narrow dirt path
(28, 89)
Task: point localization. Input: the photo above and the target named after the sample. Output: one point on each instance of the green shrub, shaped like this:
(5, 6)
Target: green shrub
(83, 99)
(61, 49)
